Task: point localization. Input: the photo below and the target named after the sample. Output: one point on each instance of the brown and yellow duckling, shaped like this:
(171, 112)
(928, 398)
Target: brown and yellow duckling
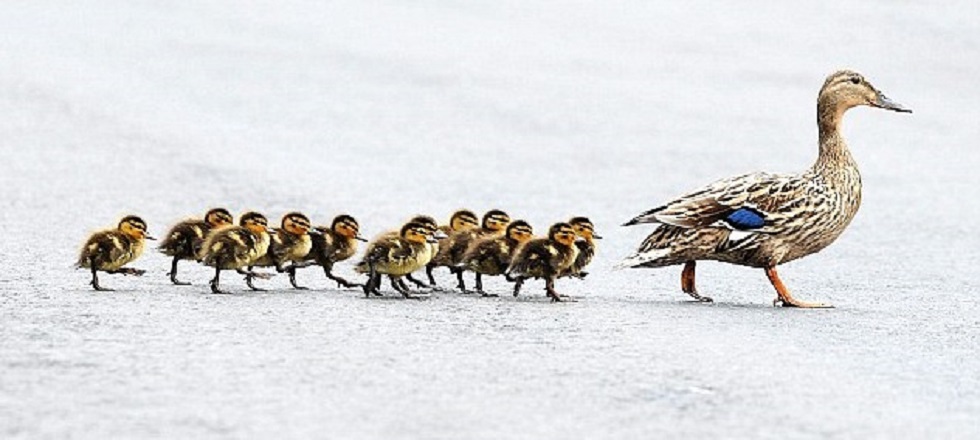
(493, 224)
(290, 244)
(396, 257)
(460, 220)
(545, 258)
(110, 250)
(585, 230)
(237, 247)
(333, 245)
(491, 256)
(184, 240)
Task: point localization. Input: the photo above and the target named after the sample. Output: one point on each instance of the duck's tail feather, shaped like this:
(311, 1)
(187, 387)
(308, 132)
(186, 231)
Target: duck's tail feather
(647, 217)
(640, 259)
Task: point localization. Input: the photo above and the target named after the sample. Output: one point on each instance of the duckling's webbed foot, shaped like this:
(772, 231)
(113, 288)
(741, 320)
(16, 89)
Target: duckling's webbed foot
(549, 287)
(418, 283)
(249, 276)
(95, 283)
(432, 278)
(518, 283)
(291, 270)
(479, 287)
(214, 283)
(373, 284)
(173, 274)
(687, 283)
(401, 287)
(460, 284)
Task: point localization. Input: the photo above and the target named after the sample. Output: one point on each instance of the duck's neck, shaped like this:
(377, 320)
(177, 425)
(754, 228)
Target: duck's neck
(834, 154)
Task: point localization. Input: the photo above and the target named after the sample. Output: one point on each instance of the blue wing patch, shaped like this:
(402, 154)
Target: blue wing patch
(746, 218)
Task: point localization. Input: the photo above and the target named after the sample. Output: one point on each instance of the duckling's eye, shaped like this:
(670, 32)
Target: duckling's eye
(855, 80)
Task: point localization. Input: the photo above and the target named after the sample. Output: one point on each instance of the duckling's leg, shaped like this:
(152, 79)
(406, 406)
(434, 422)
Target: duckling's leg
(327, 270)
(400, 286)
(95, 279)
(373, 284)
(784, 298)
(518, 282)
(291, 270)
(417, 282)
(479, 287)
(428, 272)
(173, 274)
(249, 276)
(687, 283)
(216, 281)
(460, 284)
(549, 286)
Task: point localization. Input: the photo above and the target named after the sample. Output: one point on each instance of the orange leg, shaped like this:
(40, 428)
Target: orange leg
(785, 298)
(687, 283)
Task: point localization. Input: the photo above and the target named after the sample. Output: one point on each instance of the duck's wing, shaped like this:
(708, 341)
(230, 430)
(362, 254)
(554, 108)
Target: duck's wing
(743, 203)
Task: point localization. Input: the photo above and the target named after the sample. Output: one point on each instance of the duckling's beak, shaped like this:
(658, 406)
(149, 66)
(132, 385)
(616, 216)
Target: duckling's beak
(360, 238)
(596, 237)
(439, 235)
(886, 103)
(149, 237)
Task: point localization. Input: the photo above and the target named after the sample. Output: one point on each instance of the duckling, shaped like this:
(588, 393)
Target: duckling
(451, 255)
(335, 244)
(765, 219)
(184, 240)
(290, 243)
(236, 247)
(460, 220)
(437, 233)
(395, 257)
(545, 258)
(492, 255)
(585, 230)
(112, 249)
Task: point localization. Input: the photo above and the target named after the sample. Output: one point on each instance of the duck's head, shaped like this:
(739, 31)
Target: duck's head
(584, 228)
(846, 88)
(255, 222)
(134, 227)
(495, 220)
(520, 231)
(430, 225)
(295, 223)
(417, 233)
(346, 226)
(562, 233)
(462, 220)
(218, 217)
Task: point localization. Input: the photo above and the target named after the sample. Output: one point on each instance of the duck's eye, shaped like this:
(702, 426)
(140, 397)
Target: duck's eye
(855, 80)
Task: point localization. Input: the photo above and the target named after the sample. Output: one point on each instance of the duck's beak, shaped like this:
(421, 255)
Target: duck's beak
(360, 238)
(596, 237)
(886, 103)
(439, 235)
(314, 232)
(432, 239)
(149, 237)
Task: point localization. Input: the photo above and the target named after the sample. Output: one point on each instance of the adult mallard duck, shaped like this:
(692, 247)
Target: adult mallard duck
(764, 219)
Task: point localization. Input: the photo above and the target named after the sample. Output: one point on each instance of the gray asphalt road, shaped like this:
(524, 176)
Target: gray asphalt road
(384, 110)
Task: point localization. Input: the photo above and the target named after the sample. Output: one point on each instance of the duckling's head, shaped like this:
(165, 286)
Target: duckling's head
(295, 223)
(133, 227)
(430, 224)
(584, 228)
(562, 233)
(346, 226)
(846, 88)
(462, 220)
(255, 222)
(416, 232)
(495, 220)
(218, 217)
(520, 231)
